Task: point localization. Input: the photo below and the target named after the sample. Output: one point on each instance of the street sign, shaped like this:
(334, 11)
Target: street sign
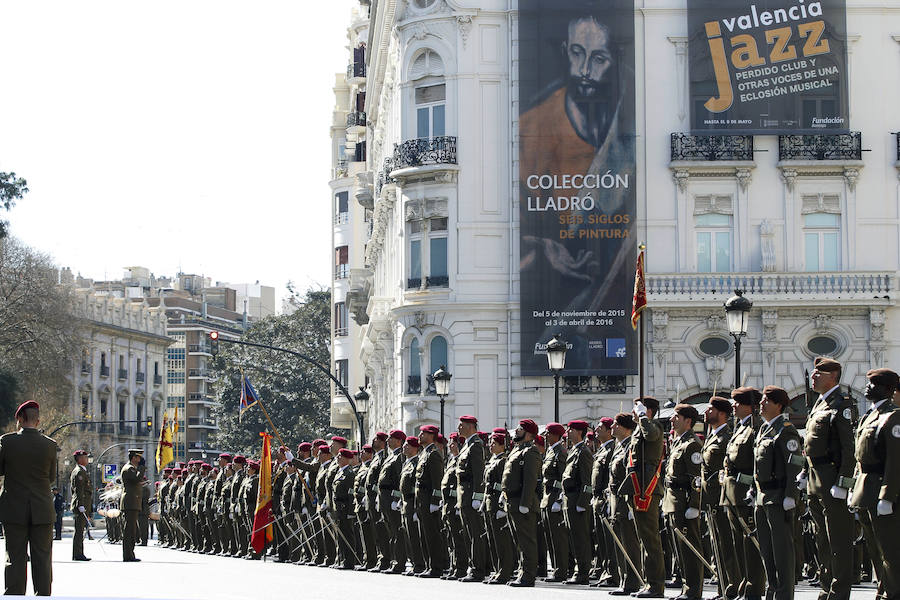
(110, 472)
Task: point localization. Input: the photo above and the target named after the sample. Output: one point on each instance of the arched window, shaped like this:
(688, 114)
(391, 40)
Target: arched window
(414, 376)
(437, 357)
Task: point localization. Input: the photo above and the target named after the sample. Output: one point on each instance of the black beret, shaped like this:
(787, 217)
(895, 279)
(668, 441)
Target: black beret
(688, 411)
(884, 377)
(721, 404)
(749, 396)
(827, 365)
(626, 420)
(777, 395)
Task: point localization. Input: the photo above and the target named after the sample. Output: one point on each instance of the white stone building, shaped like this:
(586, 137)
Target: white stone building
(425, 148)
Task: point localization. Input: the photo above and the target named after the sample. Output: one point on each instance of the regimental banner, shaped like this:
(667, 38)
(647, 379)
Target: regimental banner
(577, 184)
(768, 66)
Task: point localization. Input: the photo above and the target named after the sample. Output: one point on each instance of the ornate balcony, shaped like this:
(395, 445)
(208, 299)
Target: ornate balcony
(843, 146)
(140, 377)
(425, 151)
(356, 119)
(711, 147)
(356, 70)
(104, 371)
(157, 380)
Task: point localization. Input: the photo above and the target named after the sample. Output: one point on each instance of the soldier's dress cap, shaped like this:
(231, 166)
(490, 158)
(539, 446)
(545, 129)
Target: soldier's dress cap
(167, 470)
(555, 429)
(590, 434)
(397, 434)
(625, 420)
(884, 377)
(253, 464)
(380, 435)
(777, 395)
(500, 438)
(721, 404)
(78, 453)
(283, 449)
(134, 452)
(688, 411)
(432, 429)
(412, 441)
(205, 467)
(539, 440)
(240, 459)
(529, 425)
(304, 447)
(828, 365)
(318, 442)
(579, 425)
(345, 453)
(468, 419)
(324, 449)
(607, 422)
(25, 405)
(181, 465)
(339, 439)
(367, 448)
(748, 396)
(453, 436)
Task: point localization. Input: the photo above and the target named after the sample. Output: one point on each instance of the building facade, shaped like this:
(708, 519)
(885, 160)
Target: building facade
(427, 172)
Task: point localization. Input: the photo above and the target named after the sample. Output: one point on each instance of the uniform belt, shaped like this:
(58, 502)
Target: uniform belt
(556, 484)
(774, 484)
(674, 485)
(820, 460)
(876, 469)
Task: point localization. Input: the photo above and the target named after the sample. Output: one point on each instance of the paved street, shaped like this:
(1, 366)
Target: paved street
(165, 573)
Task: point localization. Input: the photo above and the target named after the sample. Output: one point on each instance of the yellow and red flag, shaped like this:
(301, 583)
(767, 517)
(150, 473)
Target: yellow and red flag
(164, 451)
(262, 518)
(639, 301)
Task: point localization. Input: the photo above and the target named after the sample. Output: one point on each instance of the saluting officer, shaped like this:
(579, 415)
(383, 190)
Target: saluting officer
(777, 462)
(830, 463)
(82, 502)
(551, 504)
(470, 495)
(877, 489)
(576, 481)
(520, 487)
(132, 478)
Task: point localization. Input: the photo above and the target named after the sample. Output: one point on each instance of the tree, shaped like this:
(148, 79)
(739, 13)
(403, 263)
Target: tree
(37, 332)
(12, 188)
(296, 395)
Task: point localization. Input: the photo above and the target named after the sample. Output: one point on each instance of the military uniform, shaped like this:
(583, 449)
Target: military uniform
(144, 515)
(711, 472)
(388, 507)
(622, 518)
(408, 512)
(363, 516)
(469, 494)
(604, 554)
(829, 455)
(28, 465)
(132, 476)
(551, 507)
(379, 526)
(520, 487)
(497, 524)
(777, 462)
(309, 471)
(576, 482)
(681, 494)
(81, 506)
(342, 509)
(239, 525)
(429, 472)
(452, 520)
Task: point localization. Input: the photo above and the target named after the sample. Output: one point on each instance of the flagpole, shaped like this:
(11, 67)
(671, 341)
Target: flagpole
(641, 357)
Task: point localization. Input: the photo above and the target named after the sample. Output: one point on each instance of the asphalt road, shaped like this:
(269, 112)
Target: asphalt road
(165, 573)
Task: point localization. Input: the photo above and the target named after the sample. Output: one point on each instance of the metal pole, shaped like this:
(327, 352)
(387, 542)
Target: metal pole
(737, 361)
(442, 414)
(556, 396)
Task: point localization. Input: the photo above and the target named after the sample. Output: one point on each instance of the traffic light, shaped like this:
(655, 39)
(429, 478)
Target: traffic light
(214, 342)
(149, 424)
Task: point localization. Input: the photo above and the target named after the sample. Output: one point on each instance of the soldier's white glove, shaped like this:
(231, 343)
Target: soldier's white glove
(433, 507)
(639, 409)
(885, 507)
(691, 513)
(580, 509)
(289, 456)
(378, 503)
(457, 512)
(838, 492)
(501, 514)
(415, 518)
(476, 504)
(365, 503)
(630, 515)
(324, 505)
(555, 507)
(81, 509)
(304, 512)
(394, 505)
(802, 480)
(524, 510)
(722, 476)
(750, 498)
(788, 503)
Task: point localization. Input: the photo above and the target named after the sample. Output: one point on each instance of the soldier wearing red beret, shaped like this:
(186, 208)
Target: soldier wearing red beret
(499, 535)
(556, 534)
(520, 485)
(470, 495)
(412, 536)
(387, 503)
(604, 549)
(429, 473)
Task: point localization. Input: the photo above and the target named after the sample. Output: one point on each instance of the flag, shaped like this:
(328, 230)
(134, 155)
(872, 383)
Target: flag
(249, 397)
(262, 518)
(175, 423)
(164, 451)
(639, 301)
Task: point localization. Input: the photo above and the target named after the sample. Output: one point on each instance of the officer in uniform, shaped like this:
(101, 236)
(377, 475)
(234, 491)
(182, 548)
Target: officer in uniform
(681, 501)
(552, 469)
(162, 497)
(830, 463)
(28, 465)
(620, 513)
(382, 537)
(452, 516)
(411, 450)
(309, 470)
(220, 490)
(144, 515)
(388, 502)
(876, 492)
(470, 496)
(342, 508)
(497, 524)
(576, 482)
(711, 475)
(327, 549)
(604, 556)
(642, 489)
(361, 506)
(82, 502)
(241, 532)
(132, 480)
(520, 488)
(736, 485)
(429, 472)
(777, 460)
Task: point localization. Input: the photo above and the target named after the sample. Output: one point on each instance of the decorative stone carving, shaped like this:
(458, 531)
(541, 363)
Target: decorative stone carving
(595, 409)
(414, 210)
(743, 176)
(769, 322)
(464, 23)
(851, 175)
(714, 367)
(876, 324)
(419, 405)
(420, 320)
(789, 175)
(682, 176)
(714, 322)
(823, 322)
(660, 320)
(418, 32)
(435, 207)
(767, 246)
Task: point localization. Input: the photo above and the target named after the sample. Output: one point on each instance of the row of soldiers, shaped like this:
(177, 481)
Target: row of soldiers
(492, 508)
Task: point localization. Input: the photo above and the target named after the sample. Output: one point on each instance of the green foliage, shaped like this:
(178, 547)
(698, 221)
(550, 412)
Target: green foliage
(295, 393)
(12, 188)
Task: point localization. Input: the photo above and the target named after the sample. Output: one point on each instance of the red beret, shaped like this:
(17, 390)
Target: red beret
(381, 436)
(78, 453)
(27, 404)
(397, 434)
(240, 459)
(318, 442)
(205, 467)
(253, 464)
(499, 430)
(345, 453)
(413, 441)
(441, 439)
(339, 439)
(215, 470)
(468, 419)
(579, 424)
(453, 436)
(500, 438)
(555, 429)
(590, 434)
(367, 448)
(607, 422)
(304, 447)
(529, 426)
(485, 436)
(432, 429)
(324, 449)
(158, 483)
(167, 470)
(226, 456)
(182, 465)
(539, 440)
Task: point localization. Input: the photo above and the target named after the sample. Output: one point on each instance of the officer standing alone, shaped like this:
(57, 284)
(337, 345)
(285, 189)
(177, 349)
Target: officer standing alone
(132, 477)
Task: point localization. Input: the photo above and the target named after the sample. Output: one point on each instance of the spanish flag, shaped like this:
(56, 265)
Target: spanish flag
(262, 518)
(639, 301)
(164, 451)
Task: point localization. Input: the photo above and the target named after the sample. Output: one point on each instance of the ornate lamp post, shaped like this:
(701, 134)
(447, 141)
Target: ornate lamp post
(737, 313)
(442, 387)
(556, 359)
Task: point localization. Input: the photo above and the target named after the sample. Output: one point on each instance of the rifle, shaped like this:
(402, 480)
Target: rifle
(808, 396)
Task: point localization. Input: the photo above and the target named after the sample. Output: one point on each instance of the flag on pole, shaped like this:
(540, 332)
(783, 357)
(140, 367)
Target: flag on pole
(175, 423)
(262, 518)
(249, 397)
(639, 301)
(164, 451)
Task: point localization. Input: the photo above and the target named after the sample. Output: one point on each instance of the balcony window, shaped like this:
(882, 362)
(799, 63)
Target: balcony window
(414, 378)
(340, 370)
(428, 235)
(341, 319)
(341, 208)
(341, 258)
(430, 111)
(821, 239)
(713, 243)
(437, 357)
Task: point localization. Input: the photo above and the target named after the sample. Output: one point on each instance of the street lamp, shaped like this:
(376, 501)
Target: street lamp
(442, 387)
(556, 359)
(362, 398)
(737, 313)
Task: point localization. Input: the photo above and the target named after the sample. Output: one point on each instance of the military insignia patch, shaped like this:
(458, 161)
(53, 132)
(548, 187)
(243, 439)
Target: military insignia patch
(696, 458)
(847, 414)
(793, 445)
(896, 431)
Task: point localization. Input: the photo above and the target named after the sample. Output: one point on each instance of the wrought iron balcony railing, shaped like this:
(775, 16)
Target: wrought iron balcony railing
(425, 151)
(356, 119)
(414, 384)
(157, 380)
(140, 377)
(711, 147)
(842, 146)
(104, 371)
(437, 281)
(123, 374)
(356, 69)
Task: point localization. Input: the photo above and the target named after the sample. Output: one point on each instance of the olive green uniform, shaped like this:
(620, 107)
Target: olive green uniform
(408, 511)
(520, 487)
(604, 554)
(82, 498)
(388, 506)
(497, 524)
(622, 518)
(342, 509)
(577, 490)
(551, 507)
(429, 472)
(379, 525)
(829, 454)
(777, 462)
(452, 520)
(470, 497)
(363, 516)
(681, 494)
(711, 472)
(131, 507)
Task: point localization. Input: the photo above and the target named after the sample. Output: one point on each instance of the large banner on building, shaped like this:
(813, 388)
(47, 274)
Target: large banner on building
(577, 183)
(768, 66)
